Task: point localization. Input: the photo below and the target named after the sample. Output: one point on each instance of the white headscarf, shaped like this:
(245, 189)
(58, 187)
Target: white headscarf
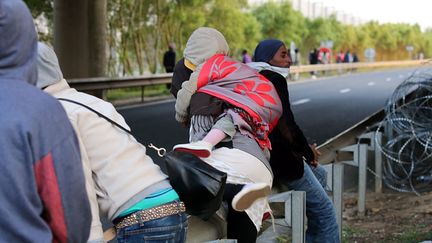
(259, 66)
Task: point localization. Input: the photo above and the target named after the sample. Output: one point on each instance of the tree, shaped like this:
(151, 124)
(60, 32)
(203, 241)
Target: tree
(279, 20)
(42, 10)
(141, 30)
(239, 27)
(138, 32)
(38, 7)
(79, 37)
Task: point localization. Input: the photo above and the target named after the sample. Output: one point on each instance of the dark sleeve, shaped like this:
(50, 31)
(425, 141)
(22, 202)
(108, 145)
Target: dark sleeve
(287, 126)
(181, 73)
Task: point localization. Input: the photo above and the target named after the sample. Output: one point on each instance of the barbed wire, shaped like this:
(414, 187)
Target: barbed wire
(408, 129)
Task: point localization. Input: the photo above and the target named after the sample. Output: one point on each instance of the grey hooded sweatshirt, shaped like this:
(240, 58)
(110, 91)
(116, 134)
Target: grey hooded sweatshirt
(42, 192)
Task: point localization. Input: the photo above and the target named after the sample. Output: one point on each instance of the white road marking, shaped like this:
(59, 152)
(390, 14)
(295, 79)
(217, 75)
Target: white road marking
(344, 91)
(388, 79)
(371, 83)
(302, 101)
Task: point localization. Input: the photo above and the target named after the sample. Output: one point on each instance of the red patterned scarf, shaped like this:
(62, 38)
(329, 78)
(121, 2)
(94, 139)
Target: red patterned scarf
(243, 87)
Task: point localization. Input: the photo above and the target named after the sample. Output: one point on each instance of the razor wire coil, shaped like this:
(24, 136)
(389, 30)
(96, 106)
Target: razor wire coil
(408, 130)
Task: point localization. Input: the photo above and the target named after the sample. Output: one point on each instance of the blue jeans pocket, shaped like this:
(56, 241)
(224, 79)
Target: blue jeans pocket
(170, 229)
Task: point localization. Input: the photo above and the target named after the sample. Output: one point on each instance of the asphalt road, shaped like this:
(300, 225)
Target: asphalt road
(323, 107)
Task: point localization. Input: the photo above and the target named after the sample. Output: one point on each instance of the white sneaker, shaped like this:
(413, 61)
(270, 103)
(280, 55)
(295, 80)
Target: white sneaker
(200, 148)
(249, 194)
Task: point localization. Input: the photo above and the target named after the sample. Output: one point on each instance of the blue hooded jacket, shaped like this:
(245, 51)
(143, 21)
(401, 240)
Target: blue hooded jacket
(42, 191)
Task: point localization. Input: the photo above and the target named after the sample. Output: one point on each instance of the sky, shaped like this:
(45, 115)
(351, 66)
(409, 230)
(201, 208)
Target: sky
(383, 11)
(386, 11)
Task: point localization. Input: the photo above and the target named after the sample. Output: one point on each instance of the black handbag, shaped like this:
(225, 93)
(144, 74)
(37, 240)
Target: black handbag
(199, 185)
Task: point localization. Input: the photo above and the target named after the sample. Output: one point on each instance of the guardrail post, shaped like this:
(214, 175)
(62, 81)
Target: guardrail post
(375, 139)
(362, 164)
(378, 162)
(338, 194)
(295, 212)
(359, 160)
(335, 178)
(298, 212)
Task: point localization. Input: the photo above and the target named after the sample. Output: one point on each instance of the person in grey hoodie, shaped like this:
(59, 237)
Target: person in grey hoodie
(42, 192)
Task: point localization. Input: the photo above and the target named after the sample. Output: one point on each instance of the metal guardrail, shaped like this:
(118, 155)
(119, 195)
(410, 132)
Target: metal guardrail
(92, 84)
(342, 66)
(348, 137)
(89, 84)
(328, 149)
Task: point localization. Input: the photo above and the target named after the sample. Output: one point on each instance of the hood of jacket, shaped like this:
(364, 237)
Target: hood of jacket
(48, 67)
(18, 42)
(203, 44)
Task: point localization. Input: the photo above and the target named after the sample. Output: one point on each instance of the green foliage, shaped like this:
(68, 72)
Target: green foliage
(326, 29)
(140, 31)
(37, 7)
(413, 234)
(239, 28)
(137, 92)
(279, 20)
(348, 233)
(252, 33)
(43, 8)
(426, 44)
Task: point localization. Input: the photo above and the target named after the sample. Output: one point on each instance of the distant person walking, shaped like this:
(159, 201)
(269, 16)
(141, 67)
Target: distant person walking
(313, 60)
(354, 60)
(169, 58)
(297, 57)
(313, 57)
(245, 57)
(355, 57)
(348, 57)
(296, 62)
(340, 57)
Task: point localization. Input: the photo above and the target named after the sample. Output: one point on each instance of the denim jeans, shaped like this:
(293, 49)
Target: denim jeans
(321, 217)
(169, 229)
(321, 175)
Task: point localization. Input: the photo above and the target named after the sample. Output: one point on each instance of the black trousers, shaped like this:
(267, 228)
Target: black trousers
(239, 225)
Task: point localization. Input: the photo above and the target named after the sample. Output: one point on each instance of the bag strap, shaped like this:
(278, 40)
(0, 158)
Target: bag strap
(160, 151)
(110, 233)
(98, 113)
